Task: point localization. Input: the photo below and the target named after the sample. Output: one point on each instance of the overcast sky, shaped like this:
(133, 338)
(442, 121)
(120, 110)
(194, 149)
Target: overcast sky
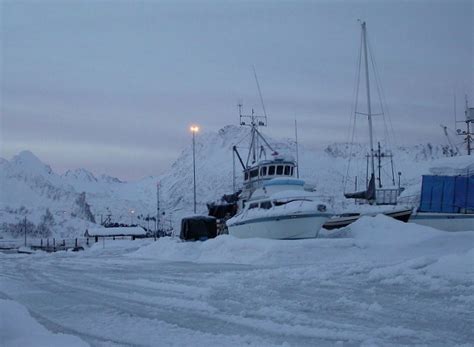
(112, 86)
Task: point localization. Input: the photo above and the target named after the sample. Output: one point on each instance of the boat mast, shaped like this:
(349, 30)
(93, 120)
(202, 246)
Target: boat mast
(369, 109)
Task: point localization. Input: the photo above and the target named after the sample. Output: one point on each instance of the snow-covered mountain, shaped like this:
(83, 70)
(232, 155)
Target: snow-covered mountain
(28, 186)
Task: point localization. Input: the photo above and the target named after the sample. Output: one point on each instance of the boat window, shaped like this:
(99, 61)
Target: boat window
(279, 169)
(266, 205)
(287, 170)
(271, 170)
(254, 173)
(246, 176)
(279, 203)
(291, 173)
(263, 171)
(284, 202)
(253, 205)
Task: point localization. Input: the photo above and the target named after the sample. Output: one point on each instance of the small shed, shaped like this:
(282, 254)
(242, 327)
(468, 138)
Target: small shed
(198, 228)
(133, 232)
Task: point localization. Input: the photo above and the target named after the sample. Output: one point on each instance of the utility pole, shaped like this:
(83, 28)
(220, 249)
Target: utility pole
(24, 228)
(468, 135)
(157, 207)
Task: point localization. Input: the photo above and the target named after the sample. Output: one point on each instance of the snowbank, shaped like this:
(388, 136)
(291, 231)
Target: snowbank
(385, 231)
(228, 249)
(18, 328)
(455, 266)
(402, 250)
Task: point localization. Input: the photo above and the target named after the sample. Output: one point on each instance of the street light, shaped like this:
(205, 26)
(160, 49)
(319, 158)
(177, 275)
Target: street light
(131, 217)
(194, 129)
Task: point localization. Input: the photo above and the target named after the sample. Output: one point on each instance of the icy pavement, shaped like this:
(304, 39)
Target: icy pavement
(19, 329)
(380, 282)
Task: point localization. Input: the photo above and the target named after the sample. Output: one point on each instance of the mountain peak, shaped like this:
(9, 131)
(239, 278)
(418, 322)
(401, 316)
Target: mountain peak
(80, 174)
(109, 179)
(27, 161)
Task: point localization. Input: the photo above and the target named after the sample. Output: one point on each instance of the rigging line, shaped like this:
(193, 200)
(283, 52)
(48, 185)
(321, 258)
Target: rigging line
(242, 139)
(354, 91)
(384, 102)
(389, 134)
(354, 109)
(378, 86)
(259, 92)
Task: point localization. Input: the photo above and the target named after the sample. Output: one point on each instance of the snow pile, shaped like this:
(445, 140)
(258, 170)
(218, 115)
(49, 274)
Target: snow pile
(383, 231)
(19, 329)
(228, 249)
(455, 266)
(409, 250)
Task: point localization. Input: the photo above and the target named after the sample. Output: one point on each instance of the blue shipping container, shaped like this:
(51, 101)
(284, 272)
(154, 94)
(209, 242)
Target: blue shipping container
(448, 194)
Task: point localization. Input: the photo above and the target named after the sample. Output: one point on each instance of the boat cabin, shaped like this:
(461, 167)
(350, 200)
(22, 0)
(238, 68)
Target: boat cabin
(266, 170)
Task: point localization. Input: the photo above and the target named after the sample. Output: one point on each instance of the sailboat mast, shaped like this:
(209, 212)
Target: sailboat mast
(369, 108)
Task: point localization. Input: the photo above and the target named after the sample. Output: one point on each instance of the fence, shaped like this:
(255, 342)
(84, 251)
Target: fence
(54, 245)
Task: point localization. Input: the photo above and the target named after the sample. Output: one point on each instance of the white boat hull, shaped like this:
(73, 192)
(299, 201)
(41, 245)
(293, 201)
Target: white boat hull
(287, 227)
(445, 221)
(336, 222)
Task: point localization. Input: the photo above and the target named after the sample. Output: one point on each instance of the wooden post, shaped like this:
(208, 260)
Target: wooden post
(75, 243)
(41, 243)
(54, 244)
(64, 243)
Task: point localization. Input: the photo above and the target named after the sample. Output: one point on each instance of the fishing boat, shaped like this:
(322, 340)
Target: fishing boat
(280, 209)
(271, 202)
(260, 163)
(375, 198)
(263, 163)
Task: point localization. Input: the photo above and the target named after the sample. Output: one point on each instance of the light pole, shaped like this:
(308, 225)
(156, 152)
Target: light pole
(131, 217)
(194, 129)
(24, 226)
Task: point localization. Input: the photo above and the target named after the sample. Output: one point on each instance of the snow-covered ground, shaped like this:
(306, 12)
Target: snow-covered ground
(19, 329)
(377, 282)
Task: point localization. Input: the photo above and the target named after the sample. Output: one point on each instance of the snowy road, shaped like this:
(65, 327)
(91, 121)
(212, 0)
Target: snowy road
(317, 292)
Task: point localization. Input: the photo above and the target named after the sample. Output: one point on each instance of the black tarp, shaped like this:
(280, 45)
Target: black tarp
(198, 228)
(368, 194)
(222, 210)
